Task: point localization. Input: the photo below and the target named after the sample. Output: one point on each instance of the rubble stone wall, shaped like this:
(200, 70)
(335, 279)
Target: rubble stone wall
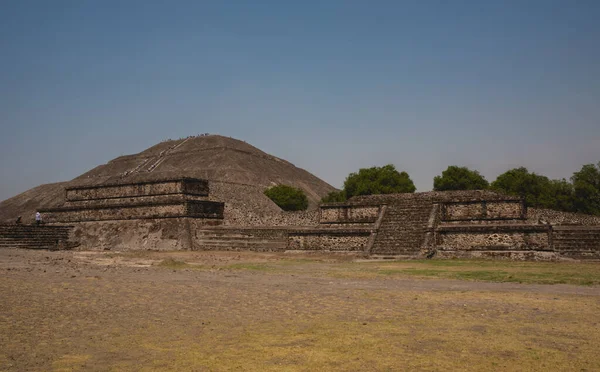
(505, 210)
(483, 210)
(199, 209)
(125, 235)
(344, 213)
(146, 200)
(328, 241)
(508, 240)
(166, 187)
(114, 213)
(549, 216)
(462, 211)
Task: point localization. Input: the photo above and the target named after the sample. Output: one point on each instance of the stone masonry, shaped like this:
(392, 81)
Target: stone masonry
(157, 214)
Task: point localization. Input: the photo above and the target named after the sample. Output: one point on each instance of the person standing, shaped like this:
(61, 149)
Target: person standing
(38, 218)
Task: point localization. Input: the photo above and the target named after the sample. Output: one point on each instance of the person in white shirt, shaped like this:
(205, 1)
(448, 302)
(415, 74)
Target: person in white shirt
(38, 218)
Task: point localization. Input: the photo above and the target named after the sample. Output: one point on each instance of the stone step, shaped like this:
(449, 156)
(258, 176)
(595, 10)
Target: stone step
(28, 242)
(15, 244)
(25, 236)
(581, 255)
(232, 237)
(242, 242)
(576, 245)
(587, 240)
(576, 236)
(256, 247)
(33, 237)
(33, 228)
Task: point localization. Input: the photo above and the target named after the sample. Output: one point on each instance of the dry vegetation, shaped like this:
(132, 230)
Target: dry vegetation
(78, 311)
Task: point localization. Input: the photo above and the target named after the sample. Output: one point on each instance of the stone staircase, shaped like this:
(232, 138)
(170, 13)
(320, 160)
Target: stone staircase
(35, 237)
(241, 239)
(577, 241)
(403, 228)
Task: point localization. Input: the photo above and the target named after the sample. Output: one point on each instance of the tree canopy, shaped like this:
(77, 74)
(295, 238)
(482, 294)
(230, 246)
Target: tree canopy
(586, 184)
(582, 194)
(288, 198)
(334, 197)
(459, 178)
(535, 189)
(378, 180)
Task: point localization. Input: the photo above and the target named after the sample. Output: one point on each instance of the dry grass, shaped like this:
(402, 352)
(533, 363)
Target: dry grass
(295, 315)
(490, 271)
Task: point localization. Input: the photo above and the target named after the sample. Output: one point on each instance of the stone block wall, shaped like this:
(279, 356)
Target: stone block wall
(191, 186)
(170, 198)
(337, 240)
(516, 242)
(198, 209)
(225, 238)
(483, 210)
(115, 212)
(128, 190)
(490, 240)
(505, 210)
(204, 209)
(344, 213)
(549, 216)
(141, 200)
(146, 234)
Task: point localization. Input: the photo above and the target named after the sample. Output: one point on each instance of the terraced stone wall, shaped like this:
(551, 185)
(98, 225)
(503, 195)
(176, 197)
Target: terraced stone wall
(198, 209)
(139, 200)
(164, 187)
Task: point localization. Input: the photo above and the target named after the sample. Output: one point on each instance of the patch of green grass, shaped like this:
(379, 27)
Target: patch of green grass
(500, 276)
(478, 275)
(478, 270)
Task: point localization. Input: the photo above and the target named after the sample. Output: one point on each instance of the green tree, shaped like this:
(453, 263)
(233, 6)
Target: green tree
(459, 178)
(534, 188)
(288, 198)
(586, 184)
(561, 194)
(378, 180)
(334, 197)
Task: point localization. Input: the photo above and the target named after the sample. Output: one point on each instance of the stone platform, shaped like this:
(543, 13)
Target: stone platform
(35, 237)
(157, 215)
(171, 198)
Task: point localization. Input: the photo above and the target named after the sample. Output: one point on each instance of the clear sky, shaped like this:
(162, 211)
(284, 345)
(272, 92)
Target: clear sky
(331, 86)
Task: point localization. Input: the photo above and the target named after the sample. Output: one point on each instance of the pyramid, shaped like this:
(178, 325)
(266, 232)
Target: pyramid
(238, 173)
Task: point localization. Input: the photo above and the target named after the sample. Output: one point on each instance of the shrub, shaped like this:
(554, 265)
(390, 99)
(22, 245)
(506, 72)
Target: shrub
(459, 178)
(378, 180)
(288, 198)
(334, 197)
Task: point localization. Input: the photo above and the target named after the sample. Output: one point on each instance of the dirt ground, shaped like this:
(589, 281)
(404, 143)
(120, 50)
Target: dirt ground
(213, 311)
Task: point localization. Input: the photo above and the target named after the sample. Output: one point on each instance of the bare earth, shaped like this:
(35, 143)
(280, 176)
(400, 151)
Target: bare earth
(212, 311)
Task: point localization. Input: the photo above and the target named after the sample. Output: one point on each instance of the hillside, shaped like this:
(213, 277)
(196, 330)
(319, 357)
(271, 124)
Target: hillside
(239, 173)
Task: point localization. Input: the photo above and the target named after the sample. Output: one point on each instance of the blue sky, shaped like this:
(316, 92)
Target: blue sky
(331, 86)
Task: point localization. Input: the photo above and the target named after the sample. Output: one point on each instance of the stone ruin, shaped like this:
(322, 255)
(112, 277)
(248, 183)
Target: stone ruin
(138, 202)
(158, 214)
(177, 214)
